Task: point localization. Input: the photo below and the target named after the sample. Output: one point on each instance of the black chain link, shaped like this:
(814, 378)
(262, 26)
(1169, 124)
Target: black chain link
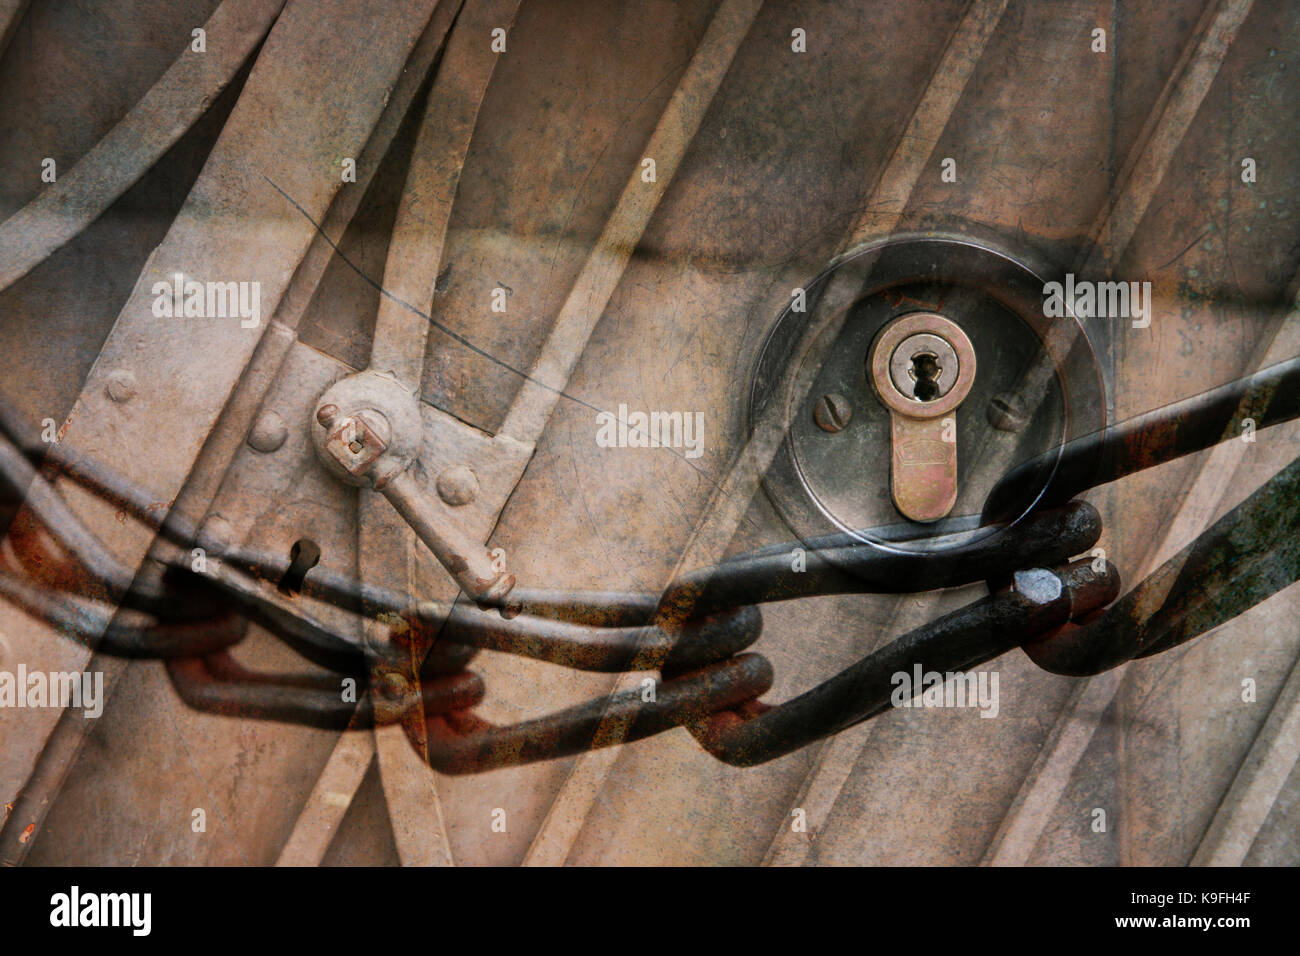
(695, 633)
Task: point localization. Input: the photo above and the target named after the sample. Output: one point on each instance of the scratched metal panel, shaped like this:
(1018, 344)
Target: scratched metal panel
(798, 155)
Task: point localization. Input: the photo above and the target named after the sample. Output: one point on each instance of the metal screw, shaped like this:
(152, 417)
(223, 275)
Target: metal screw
(1006, 412)
(121, 386)
(832, 412)
(268, 433)
(457, 485)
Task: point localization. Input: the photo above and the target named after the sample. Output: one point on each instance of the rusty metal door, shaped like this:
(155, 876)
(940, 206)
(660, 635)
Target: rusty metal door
(411, 418)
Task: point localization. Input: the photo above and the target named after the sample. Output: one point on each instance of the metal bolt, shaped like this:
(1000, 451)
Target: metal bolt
(326, 414)
(268, 433)
(457, 485)
(1006, 412)
(832, 412)
(355, 441)
(121, 386)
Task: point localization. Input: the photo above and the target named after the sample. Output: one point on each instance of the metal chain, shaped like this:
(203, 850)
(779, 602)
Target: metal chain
(695, 634)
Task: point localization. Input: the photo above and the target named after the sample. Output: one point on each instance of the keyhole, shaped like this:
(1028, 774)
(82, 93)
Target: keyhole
(925, 370)
(303, 556)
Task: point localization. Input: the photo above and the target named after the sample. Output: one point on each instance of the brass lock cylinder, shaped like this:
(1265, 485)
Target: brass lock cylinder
(922, 366)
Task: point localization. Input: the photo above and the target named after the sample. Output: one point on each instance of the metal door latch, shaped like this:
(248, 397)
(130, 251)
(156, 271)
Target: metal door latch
(369, 433)
(922, 366)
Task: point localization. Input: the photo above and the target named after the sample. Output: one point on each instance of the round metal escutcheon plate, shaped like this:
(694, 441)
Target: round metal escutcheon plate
(1038, 386)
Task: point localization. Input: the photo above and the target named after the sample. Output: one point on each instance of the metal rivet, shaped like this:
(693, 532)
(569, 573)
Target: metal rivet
(832, 412)
(394, 684)
(121, 386)
(457, 485)
(215, 535)
(326, 414)
(1006, 412)
(378, 638)
(268, 433)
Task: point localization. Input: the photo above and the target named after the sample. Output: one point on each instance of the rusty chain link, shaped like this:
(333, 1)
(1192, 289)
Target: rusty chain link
(696, 634)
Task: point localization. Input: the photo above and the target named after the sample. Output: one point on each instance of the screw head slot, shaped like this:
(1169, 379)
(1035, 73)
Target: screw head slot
(832, 412)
